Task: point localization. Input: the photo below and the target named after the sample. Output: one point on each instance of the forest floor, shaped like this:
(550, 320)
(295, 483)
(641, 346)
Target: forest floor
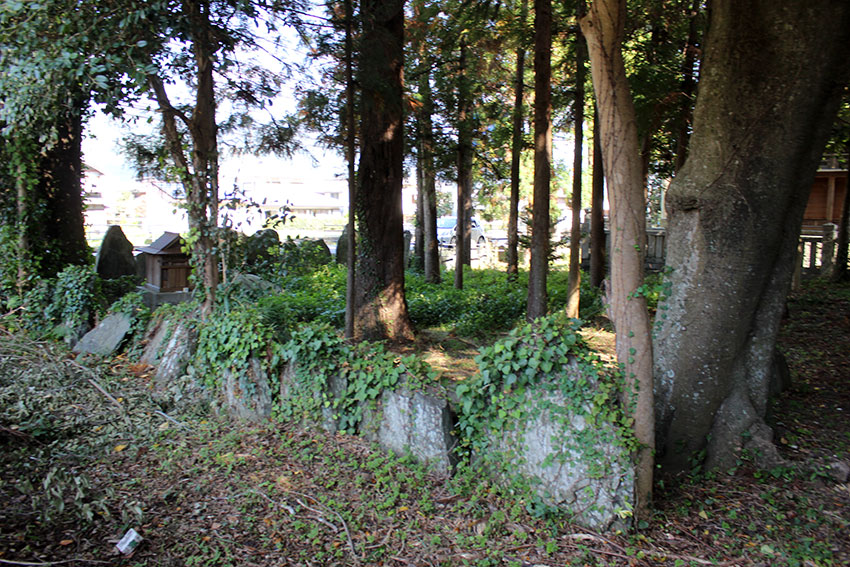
(86, 454)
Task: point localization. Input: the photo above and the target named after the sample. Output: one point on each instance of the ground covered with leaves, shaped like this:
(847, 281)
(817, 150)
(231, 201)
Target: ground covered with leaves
(86, 453)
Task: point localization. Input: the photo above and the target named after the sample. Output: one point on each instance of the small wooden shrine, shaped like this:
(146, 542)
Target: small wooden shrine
(166, 265)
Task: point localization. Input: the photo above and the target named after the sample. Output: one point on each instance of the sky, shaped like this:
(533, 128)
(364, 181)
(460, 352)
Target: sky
(102, 151)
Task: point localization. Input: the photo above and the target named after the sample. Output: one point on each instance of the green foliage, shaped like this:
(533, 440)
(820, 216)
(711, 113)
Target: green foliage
(343, 379)
(532, 361)
(61, 307)
(133, 306)
(317, 295)
(228, 340)
(300, 256)
(489, 302)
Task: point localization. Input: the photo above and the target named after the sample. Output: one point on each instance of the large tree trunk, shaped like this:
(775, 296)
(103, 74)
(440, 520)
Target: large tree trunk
(512, 252)
(598, 262)
(350, 156)
(57, 228)
(767, 99)
(603, 28)
(574, 284)
(539, 264)
(381, 307)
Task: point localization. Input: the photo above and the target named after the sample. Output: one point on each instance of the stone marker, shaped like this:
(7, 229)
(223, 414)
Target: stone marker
(105, 339)
(115, 255)
(342, 247)
(418, 422)
(247, 393)
(578, 467)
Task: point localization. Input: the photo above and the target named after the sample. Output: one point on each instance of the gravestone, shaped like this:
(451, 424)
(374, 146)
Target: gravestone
(105, 339)
(342, 247)
(115, 255)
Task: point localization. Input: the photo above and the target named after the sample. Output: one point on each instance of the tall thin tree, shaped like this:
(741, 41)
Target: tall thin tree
(603, 27)
(574, 283)
(539, 268)
(518, 122)
(381, 308)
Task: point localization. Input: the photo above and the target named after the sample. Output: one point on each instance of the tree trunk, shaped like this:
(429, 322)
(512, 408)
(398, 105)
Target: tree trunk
(418, 260)
(767, 99)
(598, 262)
(464, 168)
(203, 200)
(381, 307)
(198, 175)
(350, 154)
(603, 28)
(512, 251)
(688, 87)
(22, 213)
(57, 229)
(539, 264)
(574, 283)
(431, 248)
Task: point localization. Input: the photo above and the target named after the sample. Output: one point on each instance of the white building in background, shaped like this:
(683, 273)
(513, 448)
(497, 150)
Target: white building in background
(143, 209)
(146, 209)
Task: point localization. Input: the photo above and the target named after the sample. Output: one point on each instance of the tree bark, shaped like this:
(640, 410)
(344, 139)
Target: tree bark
(598, 262)
(56, 223)
(381, 307)
(203, 200)
(417, 262)
(512, 252)
(688, 87)
(199, 172)
(431, 248)
(539, 263)
(350, 154)
(603, 25)
(574, 283)
(767, 99)
(464, 168)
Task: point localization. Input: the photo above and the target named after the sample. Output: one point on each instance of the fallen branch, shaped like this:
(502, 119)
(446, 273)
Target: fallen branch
(172, 420)
(357, 558)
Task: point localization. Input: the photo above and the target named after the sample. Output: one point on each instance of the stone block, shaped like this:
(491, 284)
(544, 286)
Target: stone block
(106, 337)
(418, 422)
(247, 392)
(573, 464)
(115, 255)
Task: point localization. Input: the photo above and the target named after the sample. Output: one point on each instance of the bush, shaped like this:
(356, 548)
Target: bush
(315, 296)
(62, 307)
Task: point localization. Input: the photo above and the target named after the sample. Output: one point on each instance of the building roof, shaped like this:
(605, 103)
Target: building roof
(162, 244)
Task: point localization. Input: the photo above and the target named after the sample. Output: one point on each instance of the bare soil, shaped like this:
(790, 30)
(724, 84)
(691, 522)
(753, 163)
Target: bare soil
(204, 491)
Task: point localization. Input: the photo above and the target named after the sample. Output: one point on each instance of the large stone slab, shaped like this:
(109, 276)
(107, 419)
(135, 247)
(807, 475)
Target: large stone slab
(170, 350)
(247, 392)
(115, 255)
(418, 422)
(106, 337)
(302, 399)
(574, 462)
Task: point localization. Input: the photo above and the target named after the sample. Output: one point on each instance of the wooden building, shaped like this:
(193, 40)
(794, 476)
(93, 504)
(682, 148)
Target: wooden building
(826, 198)
(166, 265)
